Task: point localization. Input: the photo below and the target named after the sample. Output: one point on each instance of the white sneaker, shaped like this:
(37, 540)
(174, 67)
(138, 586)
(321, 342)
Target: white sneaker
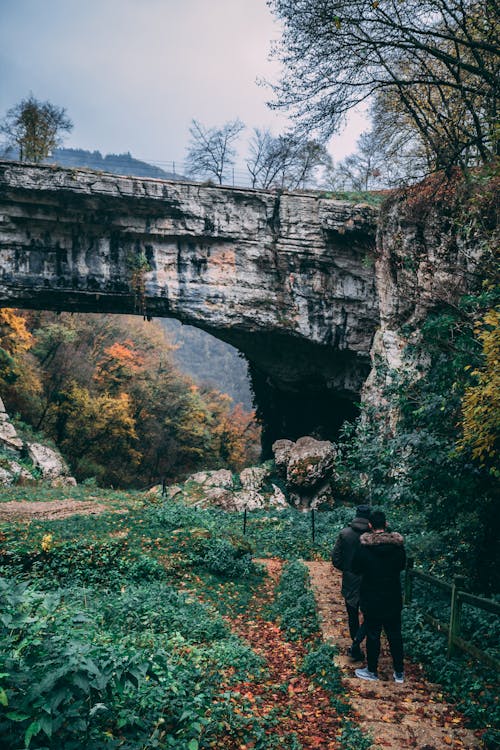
(365, 674)
(399, 677)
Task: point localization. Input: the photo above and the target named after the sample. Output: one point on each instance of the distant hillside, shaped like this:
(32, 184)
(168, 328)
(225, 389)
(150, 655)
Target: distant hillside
(117, 163)
(211, 361)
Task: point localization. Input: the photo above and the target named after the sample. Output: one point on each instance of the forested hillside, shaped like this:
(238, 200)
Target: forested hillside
(209, 360)
(107, 391)
(116, 163)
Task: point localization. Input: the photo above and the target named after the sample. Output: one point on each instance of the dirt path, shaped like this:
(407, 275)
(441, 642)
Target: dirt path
(52, 510)
(411, 715)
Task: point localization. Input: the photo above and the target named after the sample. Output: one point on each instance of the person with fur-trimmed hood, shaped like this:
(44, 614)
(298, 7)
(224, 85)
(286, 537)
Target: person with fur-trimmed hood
(379, 560)
(342, 555)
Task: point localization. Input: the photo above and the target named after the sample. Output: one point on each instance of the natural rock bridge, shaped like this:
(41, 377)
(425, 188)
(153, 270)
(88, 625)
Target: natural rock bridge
(287, 278)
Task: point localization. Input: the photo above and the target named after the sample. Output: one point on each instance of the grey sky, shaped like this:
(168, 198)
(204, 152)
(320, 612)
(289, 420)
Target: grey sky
(133, 73)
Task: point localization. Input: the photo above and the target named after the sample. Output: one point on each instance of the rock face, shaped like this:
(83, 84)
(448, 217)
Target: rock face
(422, 263)
(294, 280)
(9, 439)
(308, 468)
(51, 464)
(287, 278)
(47, 463)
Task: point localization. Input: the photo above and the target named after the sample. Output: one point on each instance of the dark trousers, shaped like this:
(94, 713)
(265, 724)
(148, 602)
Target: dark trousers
(392, 628)
(356, 631)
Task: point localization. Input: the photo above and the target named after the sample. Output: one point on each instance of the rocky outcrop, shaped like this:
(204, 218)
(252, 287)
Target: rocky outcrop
(51, 465)
(9, 439)
(252, 490)
(424, 262)
(287, 278)
(308, 466)
(44, 463)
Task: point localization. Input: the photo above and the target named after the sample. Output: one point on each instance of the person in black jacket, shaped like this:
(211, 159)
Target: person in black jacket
(379, 560)
(342, 555)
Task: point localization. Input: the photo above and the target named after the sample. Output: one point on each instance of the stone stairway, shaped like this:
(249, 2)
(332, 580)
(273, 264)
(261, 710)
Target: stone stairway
(411, 715)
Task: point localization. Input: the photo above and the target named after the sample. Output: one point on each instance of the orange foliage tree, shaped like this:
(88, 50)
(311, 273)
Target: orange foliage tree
(113, 400)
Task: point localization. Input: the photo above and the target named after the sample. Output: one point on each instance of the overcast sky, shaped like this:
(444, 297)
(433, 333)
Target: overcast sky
(132, 74)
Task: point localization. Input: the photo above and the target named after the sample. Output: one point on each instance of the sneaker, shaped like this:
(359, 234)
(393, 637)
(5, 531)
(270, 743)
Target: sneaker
(355, 653)
(365, 674)
(399, 677)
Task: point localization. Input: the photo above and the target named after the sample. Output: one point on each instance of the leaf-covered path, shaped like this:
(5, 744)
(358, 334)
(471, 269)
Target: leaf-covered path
(411, 715)
(302, 712)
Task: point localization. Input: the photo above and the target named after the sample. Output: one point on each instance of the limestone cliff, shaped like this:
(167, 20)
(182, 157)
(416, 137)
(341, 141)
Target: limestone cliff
(285, 277)
(294, 280)
(429, 254)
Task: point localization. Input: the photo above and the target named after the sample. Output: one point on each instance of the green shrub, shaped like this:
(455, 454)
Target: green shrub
(319, 664)
(227, 558)
(295, 606)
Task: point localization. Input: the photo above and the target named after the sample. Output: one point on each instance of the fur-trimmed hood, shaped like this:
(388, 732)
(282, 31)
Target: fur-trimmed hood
(385, 537)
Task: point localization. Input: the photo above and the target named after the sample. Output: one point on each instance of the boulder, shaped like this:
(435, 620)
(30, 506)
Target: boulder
(306, 463)
(12, 472)
(50, 464)
(308, 468)
(278, 499)
(254, 477)
(9, 438)
(281, 450)
(220, 478)
(218, 497)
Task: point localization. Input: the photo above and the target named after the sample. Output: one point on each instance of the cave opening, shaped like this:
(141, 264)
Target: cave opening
(291, 414)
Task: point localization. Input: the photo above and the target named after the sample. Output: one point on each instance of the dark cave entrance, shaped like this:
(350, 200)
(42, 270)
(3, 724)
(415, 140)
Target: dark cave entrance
(299, 387)
(293, 384)
(292, 414)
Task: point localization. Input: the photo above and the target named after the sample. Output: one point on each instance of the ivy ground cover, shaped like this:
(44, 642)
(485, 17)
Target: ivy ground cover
(134, 630)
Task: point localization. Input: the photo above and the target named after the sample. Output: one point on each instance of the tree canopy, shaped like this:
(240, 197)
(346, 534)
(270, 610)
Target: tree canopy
(107, 391)
(437, 61)
(35, 128)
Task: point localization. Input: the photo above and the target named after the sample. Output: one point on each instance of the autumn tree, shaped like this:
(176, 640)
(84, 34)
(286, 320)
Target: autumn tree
(19, 382)
(35, 128)
(211, 150)
(481, 402)
(98, 433)
(437, 58)
(112, 398)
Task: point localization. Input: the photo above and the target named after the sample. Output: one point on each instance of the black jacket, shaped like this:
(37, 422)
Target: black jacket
(342, 555)
(379, 560)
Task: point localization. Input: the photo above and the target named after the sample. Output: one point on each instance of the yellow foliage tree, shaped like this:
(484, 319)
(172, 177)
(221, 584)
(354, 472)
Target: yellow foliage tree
(19, 380)
(14, 335)
(481, 402)
(97, 433)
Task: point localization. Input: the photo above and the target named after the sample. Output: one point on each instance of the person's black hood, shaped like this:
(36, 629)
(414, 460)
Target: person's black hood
(359, 524)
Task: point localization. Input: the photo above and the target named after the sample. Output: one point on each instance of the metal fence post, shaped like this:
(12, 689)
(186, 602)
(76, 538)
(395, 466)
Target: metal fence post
(164, 487)
(408, 583)
(456, 608)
